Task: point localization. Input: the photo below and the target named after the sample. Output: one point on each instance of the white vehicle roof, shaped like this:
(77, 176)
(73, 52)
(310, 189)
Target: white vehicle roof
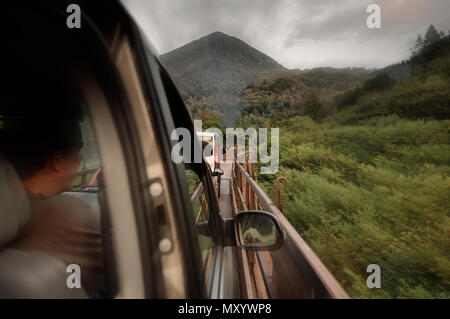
(200, 133)
(210, 138)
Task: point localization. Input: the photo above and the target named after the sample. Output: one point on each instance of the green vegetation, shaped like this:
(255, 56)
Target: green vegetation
(215, 69)
(199, 110)
(298, 94)
(368, 171)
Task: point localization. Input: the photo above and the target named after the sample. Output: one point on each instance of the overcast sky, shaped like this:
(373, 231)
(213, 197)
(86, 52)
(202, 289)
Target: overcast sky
(296, 33)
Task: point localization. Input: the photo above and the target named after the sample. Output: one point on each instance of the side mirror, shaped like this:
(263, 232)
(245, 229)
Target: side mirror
(217, 171)
(258, 230)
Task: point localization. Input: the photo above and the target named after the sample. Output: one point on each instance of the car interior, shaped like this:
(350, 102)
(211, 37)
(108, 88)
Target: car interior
(92, 70)
(56, 67)
(49, 68)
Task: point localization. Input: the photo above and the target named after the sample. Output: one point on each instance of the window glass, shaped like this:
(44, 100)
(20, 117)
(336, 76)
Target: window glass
(87, 183)
(201, 209)
(43, 154)
(49, 161)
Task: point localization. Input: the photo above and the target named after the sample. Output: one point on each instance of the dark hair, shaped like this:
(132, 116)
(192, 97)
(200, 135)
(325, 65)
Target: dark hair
(27, 143)
(40, 105)
(39, 115)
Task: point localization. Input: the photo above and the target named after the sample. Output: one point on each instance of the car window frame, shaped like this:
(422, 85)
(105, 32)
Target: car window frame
(110, 81)
(150, 73)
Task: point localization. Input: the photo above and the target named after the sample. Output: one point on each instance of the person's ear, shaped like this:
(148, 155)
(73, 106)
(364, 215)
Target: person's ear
(55, 161)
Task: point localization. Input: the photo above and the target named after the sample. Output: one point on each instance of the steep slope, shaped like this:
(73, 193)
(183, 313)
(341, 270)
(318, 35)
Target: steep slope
(368, 183)
(216, 67)
(301, 91)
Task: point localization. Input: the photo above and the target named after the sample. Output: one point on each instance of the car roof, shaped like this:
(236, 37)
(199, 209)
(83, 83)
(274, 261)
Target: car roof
(200, 133)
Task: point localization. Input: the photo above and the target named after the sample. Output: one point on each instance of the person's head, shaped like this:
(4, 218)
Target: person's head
(44, 149)
(40, 106)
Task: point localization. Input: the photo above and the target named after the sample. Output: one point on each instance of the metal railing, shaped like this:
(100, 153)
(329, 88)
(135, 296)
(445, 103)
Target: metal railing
(293, 271)
(199, 196)
(84, 185)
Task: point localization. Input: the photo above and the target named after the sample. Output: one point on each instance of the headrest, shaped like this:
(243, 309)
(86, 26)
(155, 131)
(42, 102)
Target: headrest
(14, 205)
(34, 275)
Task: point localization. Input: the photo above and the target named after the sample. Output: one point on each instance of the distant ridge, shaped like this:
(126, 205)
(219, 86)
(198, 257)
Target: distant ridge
(217, 67)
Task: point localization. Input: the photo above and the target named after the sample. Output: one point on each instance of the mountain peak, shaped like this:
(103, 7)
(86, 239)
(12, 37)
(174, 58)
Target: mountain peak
(221, 44)
(219, 65)
(217, 34)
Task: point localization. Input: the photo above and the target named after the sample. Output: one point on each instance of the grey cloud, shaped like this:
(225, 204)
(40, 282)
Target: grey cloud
(296, 33)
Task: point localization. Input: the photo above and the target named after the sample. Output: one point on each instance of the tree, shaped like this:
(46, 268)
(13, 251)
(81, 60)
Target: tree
(431, 36)
(209, 115)
(380, 82)
(215, 124)
(313, 107)
(199, 110)
(418, 45)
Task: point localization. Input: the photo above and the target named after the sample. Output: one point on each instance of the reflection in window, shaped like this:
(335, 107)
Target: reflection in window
(201, 211)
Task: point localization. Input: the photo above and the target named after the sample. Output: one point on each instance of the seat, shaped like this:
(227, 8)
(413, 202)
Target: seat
(25, 274)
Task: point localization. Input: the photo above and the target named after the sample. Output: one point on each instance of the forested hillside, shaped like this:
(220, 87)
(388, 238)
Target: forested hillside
(368, 169)
(213, 71)
(299, 93)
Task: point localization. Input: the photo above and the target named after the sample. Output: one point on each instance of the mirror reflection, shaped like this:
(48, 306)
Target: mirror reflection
(258, 230)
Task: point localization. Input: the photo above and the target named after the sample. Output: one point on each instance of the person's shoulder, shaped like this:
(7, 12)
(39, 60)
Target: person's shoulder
(65, 200)
(69, 206)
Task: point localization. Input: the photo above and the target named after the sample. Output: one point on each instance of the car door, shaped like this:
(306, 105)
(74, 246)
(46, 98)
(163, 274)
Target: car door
(219, 272)
(191, 254)
(205, 222)
(126, 82)
(209, 269)
(156, 122)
